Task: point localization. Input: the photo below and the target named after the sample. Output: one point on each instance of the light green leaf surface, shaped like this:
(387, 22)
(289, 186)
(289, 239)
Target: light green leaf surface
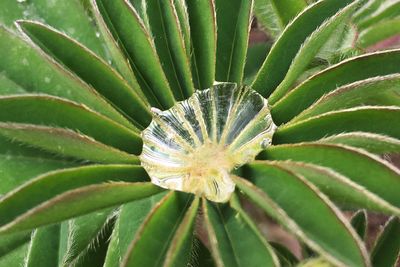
(83, 234)
(34, 71)
(387, 247)
(52, 111)
(150, 244)
(312, 217)
(91, 69)
(379, 32)
(348, 71)
(309, 50)
(43, 248)
(68, 188)
(65, 143)
(366, 119)
(136, 42)
(130, 217)
(374, 143)
(179, 253)
(166, 33)
(203, 32)
(290, 42)
(351, 95)
(358, 165)
(233, 27)
(339, 188)
(233, 240)
(20, 163)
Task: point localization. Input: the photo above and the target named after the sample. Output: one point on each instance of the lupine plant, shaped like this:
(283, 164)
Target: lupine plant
(133, 134)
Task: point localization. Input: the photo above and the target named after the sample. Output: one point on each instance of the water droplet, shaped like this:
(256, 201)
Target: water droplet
(97, 34)
(25, 62)
(265, 143)
(21, 1)
(176, 158)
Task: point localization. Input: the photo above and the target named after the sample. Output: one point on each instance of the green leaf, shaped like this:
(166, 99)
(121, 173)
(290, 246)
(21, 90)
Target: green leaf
(274, 15)
(179, 252)
(35, 71)
(366, 119)
(91, 69)
(65, 143)
(18, 164)
(203, 34)
(379, 32)
(351, 95)
(16, 256)
(358, 165)
(135, 41)
(387, 247)
(118, 59)
(233, 241)
(166, 32)
(70, 193)
(360, 223)
(233, 27)
(130, 217)
(312, 217)
(162, 223)
(256, 55)
(69, 17)
(43, 249)
(348, 71)
(285, 256)
(53, 111)
(288, 9)
(280, 58)
(10, 242)
(386, 11)
(267, 18)
(374, 143)
(339, 188)
(309, 50)
(8, 87)
(83, 233)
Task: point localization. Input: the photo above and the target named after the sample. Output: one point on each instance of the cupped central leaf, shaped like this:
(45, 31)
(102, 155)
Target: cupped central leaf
(194, 146)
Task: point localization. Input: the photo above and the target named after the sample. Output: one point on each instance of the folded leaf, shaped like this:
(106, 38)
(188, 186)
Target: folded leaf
(52, 111)
(387, 247)
(309, 50)
(374, 143)
(43, 248)
(203, 31)
(168, 39)
(312, 217)
(359, 222)
(379, 32)
(91, 69)
(233, 26)
(234, 241)
(162, 223)
(345, 72)
(65, 143)
(130, 217)
(358, 165)
(35, 71)
(339, 188)
(351, 95)
(64, 185)
(135, 40)
(289, 43)
(372, 119)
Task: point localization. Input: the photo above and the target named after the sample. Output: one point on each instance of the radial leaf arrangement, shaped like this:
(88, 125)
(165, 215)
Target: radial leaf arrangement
(131, 133)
